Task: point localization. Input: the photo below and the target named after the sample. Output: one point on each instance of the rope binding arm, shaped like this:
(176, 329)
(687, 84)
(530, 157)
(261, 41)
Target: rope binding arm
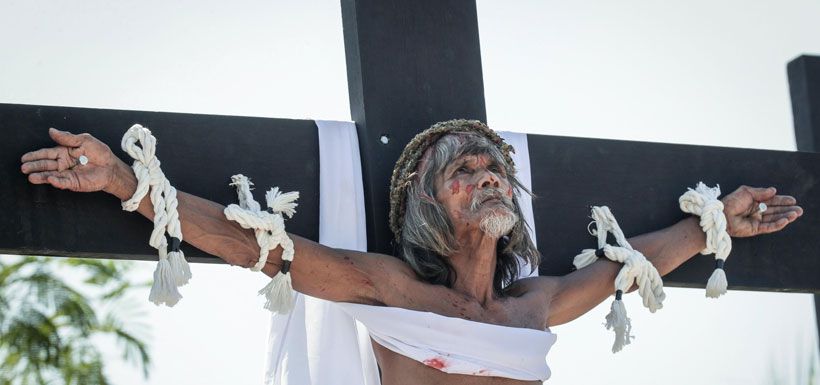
(269, 229)
(172, 270)
(636, 269)
(703, 201)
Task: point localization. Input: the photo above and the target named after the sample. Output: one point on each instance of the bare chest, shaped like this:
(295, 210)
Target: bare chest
(522, 311)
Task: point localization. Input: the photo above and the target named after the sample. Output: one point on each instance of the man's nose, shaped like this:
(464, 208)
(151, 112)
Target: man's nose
(488, 180)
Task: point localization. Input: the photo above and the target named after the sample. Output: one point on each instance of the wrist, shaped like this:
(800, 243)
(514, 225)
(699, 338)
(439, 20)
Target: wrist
(123, 181)
(695, 233)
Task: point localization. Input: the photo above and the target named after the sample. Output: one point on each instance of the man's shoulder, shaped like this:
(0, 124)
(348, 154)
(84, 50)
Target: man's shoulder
(386, 265)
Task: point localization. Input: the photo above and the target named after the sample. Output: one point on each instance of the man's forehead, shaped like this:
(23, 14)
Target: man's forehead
(460, 147)
(485, 157)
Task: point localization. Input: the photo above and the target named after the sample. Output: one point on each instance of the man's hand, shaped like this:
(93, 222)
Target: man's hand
(60, 167)
(744, 219)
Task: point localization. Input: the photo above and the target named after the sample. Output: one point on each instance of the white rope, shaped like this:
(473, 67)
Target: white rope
(172, 270)
(269, 228)
(637, 270)
(703, 201)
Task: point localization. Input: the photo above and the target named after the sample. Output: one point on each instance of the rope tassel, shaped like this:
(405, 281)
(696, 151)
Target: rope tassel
(279, 291)
(269, 229)
(172, 270)
(619, 323)
(717, 284)
(164, 289)
(703, 201)
(179, 266)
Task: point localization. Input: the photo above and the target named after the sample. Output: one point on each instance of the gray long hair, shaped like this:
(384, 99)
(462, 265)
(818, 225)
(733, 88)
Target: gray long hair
(428, 238)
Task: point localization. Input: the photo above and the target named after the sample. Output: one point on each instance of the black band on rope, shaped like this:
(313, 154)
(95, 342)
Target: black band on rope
(719, 263)
(285, 266)
(175, 243)
(600, 252)
(618, 294)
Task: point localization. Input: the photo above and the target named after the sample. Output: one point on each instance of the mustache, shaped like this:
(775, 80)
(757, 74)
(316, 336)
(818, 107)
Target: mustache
(482, 195)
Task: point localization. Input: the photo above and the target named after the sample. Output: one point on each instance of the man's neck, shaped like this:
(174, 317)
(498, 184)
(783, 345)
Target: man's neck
(474, 263)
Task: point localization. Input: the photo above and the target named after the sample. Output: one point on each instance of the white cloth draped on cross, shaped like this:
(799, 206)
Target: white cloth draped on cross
(318, 343)
(269, 228)
(172, 270)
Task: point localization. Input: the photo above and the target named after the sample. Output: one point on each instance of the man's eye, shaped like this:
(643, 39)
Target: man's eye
(462, 169)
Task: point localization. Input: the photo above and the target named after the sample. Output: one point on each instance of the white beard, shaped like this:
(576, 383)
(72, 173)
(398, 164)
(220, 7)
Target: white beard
(498, 223)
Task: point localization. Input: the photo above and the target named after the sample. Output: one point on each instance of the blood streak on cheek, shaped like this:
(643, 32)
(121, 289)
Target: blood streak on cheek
(455, 188)
(470, 188)
(436, 362)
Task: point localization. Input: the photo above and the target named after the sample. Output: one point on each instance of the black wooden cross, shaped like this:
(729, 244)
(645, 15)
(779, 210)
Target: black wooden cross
(411, 64)
(804, 84)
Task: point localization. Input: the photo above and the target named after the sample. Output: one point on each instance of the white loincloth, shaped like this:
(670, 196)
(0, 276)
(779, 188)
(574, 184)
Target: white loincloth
(458, 346)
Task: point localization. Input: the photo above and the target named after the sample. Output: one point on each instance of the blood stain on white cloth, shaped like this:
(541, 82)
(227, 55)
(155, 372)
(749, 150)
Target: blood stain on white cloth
(436, 362)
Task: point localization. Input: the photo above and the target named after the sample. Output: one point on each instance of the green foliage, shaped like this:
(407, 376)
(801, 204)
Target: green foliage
(50, 326)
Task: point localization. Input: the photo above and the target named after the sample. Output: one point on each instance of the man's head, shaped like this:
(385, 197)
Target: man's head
(458, 177)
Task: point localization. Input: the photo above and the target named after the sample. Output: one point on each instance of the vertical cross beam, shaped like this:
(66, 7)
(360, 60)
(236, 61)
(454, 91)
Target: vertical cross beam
(804, 86)
(409, 64)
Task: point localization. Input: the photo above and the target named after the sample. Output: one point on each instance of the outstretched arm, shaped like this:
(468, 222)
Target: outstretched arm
(319, 271)
(578, 292)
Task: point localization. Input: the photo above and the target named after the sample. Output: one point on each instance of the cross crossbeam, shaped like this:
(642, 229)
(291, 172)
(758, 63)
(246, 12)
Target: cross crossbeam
(639, 181)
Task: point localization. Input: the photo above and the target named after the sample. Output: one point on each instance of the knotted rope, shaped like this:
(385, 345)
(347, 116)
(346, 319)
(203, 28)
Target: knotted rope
(637, 269)
(269, 228)
(703, 201)
(172, 270)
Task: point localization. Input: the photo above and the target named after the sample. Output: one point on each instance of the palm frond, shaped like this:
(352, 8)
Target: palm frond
(33, 335)
(134, 349)
(47, 324)
(117, 291)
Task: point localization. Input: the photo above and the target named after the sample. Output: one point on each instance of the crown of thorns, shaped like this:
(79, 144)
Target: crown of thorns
(405, 171)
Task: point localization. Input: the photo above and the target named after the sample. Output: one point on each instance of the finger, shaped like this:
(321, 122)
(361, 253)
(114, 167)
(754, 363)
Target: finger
(75, 152)
(762, 194)
(790, 216)
(40, 177)
(65, 138)
(43, 153)
(61, 181)
(782, 209)
(770, 227)
(781, 200)
(39, 166)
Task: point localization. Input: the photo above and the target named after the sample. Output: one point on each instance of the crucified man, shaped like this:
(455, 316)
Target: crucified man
(456, 219)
